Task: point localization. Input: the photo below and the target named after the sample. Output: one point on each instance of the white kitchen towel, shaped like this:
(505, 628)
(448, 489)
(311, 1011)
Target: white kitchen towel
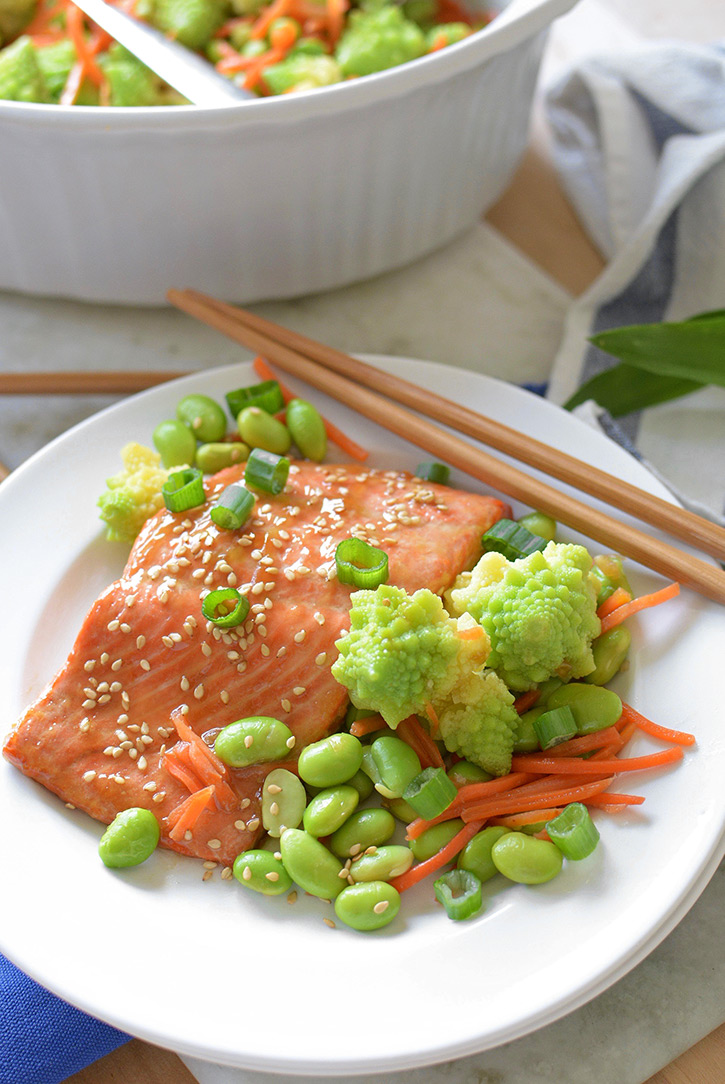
(639, 142)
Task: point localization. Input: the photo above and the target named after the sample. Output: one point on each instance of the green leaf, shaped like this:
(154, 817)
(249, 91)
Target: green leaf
(624, 389)
(693, 350)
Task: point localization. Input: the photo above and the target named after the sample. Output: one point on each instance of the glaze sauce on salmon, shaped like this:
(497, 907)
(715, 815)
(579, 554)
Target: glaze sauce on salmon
(148, 676)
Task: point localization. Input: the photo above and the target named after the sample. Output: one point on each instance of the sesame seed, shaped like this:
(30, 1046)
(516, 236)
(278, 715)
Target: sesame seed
(249, 741)
(104, 658)
(330, 923)
(319, 618)
(104, 699)
(102, 688)
(146, 739)
(226, 873)
(258, 588)
(113, 625)
(274, 809)
(247, 873)
(286, 706)
(159, 797)
(272, 875)
(224, 696)
(299, 690)
(116, 687)
(246, 802)
(264, 650)
(380, 906)
(133, 753)
(88, 665)
(291, 742)
(149, 786)
(240, 826)
(140, 641)
(167, 641)
(85, 725)
(125, 627)
(355, 848)
(145, 664)
(142, 762)
(88, 704)
(282, 651)
(321, 659)
(206, 875)
(253, 825)
(188, 834)
(88, 776)
(184, 683)
(292, 898)
(206, 649)
(299, 636)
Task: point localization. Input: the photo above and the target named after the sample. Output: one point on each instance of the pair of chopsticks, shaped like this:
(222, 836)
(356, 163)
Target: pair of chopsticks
(390, 400)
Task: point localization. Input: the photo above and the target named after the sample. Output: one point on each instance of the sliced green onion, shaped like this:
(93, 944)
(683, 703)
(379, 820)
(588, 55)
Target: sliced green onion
(430, 793)
(266, 395)
(183, 489)
(225, 607)
(266, 471)
(459, 891)
(555, 726)
(512, 540)
(361, 564)
(574, 832)
(233, 507)
(433, 472)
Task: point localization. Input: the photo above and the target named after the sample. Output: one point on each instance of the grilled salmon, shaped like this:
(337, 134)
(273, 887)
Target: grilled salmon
(131, 717)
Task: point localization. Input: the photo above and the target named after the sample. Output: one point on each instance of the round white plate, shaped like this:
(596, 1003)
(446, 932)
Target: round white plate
(213, 971)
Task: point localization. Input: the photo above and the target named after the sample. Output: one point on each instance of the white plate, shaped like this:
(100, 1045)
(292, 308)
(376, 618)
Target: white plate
(215, 972)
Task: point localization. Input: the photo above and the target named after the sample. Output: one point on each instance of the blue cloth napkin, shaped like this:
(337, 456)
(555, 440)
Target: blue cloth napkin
(47, 1040)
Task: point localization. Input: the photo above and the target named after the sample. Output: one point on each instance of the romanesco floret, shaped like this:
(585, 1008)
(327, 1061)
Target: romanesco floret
(479, 721)
(403, 652)
(134, 494)
(539, 612)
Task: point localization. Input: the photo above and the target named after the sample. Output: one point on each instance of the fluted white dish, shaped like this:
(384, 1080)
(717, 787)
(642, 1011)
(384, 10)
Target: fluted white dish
(272, 198)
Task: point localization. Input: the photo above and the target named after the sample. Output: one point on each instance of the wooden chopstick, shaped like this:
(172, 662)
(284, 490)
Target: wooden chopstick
(4, 472)
(698, 532)
(84, 383)
(690, 571)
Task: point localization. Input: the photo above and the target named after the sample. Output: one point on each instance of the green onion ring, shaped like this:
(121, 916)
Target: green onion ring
(227, 619)
(433, 472)
(266, 395)
(183, 489)
(233, 507)
(459, 891)
(266, 471)
(574, 832)
(430, 793)
(361, 564)
(512, 540)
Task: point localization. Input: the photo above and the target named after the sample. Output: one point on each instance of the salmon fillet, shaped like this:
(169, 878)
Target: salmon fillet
(111, 730)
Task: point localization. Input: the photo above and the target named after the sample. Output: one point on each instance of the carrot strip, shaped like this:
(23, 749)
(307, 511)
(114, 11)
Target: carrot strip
(608, 737)
(184, 774)
(335, 18)
(617, 598)
(368, 725)
(74, 21)
(679, 737)
(526, 700)
(513, 803)
(187, 734)
(576, 766)
(518, 820)
(424, 869)
(432, 714)
(420, 742)
(345, 444)
(465, 796)
(604, 800)
(184, 816)
(644, 602)
(73, 83)
(43, 16)
(275, 11)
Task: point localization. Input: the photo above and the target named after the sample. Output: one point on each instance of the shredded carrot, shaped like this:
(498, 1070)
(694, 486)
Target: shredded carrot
(187, 734)
(617, 598)
(335, 18)
(526, 700)
(679, 737)
(44, 15)
(368, 725)
(514, 803)
(184, 816)
(173, 763)
(576, 766)
(608, 737)
(519, 820)
(275, 11)
(446, 854)
(344, 443)
(615, 799)
(414, 735)
(467, 795)
(74, 21)
(433, 719)
(73, 83)
(644, 602)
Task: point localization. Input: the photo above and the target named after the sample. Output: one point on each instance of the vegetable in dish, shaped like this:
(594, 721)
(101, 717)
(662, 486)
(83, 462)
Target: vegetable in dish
(235, 697)
(54, 54)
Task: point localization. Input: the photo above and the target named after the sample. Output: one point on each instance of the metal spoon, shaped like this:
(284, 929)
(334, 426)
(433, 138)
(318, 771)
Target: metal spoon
(183, 70)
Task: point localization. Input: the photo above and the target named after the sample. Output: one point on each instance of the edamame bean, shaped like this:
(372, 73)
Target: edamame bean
(368, 906)
(211, 458)
(130, 838)
(539, 524)
(382, 863)
(329, 810)
(256, 740)
(283, 801)
(365, 828)
(311, 865)
(331, 761)
(476, 855)
(259, 429)
(526, 860)
(263, 872)
(362, 783)
(397, 764)
(400, 809)
(307, 429)
(592, 706)
(610, 651)
(204, 417)
(175, 443)
(464, 772)
(433, 839)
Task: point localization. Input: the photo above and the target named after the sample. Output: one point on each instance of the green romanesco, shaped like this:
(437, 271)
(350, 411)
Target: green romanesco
(377, 39)
(479, 722)
(539, 612)
(134, 494)
(403, 652)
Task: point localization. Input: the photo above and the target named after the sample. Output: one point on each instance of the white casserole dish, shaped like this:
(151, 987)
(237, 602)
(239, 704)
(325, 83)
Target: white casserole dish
(272, 198)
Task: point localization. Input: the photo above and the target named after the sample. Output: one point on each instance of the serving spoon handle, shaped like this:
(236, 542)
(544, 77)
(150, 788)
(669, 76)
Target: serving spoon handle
(185, 71)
